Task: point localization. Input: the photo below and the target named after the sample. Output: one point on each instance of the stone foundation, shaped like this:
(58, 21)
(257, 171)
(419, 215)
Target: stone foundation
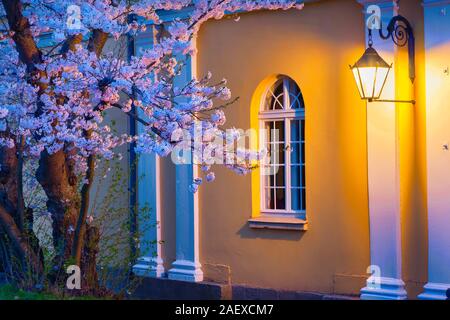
(166, 289)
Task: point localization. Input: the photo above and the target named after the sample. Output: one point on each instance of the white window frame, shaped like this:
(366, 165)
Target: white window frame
(287, 115)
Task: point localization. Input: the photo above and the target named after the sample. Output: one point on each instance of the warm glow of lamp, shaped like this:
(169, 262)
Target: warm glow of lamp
(371, 73)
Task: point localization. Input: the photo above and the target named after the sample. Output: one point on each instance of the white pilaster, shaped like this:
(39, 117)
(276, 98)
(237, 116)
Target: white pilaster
(150, 264)
(187, 266)
(383, 180)
(149, 199)
(437, 51)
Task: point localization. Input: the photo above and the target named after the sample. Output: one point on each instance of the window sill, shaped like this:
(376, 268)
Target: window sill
(278, 223)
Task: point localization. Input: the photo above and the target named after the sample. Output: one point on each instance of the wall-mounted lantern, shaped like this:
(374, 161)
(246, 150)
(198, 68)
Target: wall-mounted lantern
(371, 70)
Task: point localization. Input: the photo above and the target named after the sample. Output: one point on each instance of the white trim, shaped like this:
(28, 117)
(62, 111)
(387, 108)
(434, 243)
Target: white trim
(281, 114)
(149, 194)
(287, 162)
(186, 270)
(287, 115)
(435, 291)
(187, 266)
(437, 33)
(287, 213)
(278, 223)
(383, 183)
(149, 267)
(385, 289)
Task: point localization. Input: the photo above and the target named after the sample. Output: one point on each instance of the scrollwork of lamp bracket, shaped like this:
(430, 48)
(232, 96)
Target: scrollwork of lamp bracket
(401, 32)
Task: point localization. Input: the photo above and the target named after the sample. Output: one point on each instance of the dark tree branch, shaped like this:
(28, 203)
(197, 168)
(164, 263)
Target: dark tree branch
(20, 244)
(96, 44)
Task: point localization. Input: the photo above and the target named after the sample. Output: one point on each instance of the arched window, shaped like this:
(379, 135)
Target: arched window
(282, 115)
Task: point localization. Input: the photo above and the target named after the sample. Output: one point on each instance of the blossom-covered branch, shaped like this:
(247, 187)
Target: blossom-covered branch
(81, 85)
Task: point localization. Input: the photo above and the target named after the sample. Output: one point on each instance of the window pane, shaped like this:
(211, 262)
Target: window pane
(277, 153)
(280, 177)
(303, 180)
(302, 152)
(275, 97)
(274, 155)
(269, 131)
(281, 199)
(295, 153)
(270, 179)
(302, 122)
(279, 134)
(278, 95)
(269, 127)
(276, 146)
(295, 130)
(295, 176)
(295, 199)
(269, 198)
(295, 96)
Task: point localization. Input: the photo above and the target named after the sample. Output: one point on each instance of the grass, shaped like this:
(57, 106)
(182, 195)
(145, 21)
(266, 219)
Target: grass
(10, 292)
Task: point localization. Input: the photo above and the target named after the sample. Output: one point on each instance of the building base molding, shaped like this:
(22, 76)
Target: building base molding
(386, 289)
(149, 267)
(185, 270)
(435, 291)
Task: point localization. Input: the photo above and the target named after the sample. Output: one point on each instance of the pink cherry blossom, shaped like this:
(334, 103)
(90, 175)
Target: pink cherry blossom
(78, 87)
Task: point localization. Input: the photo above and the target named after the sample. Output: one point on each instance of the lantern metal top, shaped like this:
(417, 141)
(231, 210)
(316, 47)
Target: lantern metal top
(371, 59)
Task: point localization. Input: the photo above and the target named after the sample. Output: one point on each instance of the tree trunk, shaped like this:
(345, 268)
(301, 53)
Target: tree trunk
(89, 259)
(80, 231)
(8, 180)
(63, 201)
(20, 243)
(56, 171)
(12, 213)
(53, 173)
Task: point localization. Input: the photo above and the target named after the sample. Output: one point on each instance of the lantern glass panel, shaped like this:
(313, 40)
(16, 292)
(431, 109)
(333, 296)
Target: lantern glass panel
(358, 81)
(370, 73)
(382, 74)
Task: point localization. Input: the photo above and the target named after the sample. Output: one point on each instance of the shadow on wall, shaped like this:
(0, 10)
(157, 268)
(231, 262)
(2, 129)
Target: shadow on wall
(247, 233)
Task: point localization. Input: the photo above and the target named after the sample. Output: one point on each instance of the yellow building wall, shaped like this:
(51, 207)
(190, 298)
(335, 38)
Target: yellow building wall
(314, 47)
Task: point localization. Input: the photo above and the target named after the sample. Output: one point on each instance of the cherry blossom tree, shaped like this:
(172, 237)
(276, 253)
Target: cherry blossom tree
(53, 103)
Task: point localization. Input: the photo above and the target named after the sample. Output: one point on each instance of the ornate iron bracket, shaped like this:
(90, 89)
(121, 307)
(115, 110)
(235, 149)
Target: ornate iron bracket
(401, 32)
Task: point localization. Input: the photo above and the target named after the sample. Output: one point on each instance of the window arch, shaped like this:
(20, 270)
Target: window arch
(282, 115)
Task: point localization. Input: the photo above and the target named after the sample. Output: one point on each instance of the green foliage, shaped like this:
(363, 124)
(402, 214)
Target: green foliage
(115, 258)
(109, 211)
(10, 292)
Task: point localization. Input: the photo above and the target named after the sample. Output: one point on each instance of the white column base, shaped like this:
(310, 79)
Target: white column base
(185, 270)
(149, 267)
(387, 289)
(435, 291)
